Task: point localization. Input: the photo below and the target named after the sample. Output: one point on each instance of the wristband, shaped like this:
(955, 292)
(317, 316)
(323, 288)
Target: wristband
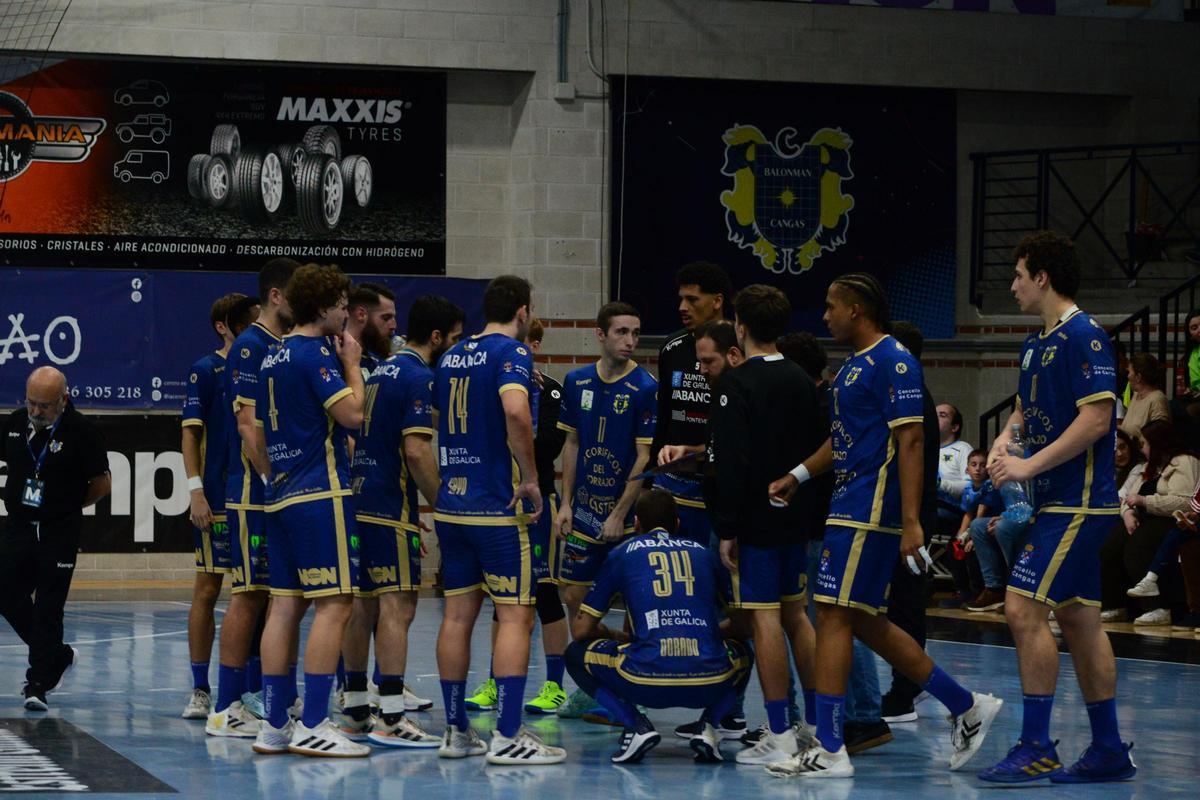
(195, 483)
(800, 473)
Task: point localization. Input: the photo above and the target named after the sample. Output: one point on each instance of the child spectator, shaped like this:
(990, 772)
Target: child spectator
(993, 538)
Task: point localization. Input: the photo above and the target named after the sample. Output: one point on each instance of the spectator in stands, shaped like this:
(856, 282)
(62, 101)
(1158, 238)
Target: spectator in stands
(994, 539)
(1168, 484)
(1147, 401)
(1166, 561)
(1130, 464)
(952, 459)
(1187, 371)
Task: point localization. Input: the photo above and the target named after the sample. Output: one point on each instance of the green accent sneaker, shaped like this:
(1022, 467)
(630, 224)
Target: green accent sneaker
(576, 704)
(485, 697)
(549, 699)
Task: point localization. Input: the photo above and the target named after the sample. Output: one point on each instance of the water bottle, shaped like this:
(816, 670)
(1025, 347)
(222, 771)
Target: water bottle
(1018, 496)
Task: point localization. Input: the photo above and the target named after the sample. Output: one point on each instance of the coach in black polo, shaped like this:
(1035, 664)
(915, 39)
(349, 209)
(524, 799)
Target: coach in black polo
(57, 465)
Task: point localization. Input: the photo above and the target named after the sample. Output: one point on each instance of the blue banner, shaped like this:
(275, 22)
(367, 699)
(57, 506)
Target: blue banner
(126, 338)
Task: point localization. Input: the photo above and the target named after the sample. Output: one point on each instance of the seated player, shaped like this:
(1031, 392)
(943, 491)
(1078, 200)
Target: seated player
(675, 656)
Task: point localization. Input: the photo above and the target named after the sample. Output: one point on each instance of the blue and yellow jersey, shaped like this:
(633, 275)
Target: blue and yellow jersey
(478, 471)
(876, 390)
(611, 418)
(673, 591)
(297, 386)
(1062, 370)
(206, 407)
(243, 488)
(398, 402)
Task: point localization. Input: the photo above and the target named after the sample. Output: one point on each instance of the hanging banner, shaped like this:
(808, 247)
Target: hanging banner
(179, 165)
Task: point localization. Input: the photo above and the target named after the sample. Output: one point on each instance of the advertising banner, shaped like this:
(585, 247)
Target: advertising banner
(172, 164)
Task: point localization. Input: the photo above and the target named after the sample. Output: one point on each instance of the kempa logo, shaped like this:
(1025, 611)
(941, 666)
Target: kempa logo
(341, 109)
(25, 138)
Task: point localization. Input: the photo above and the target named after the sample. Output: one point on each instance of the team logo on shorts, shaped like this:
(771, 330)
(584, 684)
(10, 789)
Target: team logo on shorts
(621, 403)
(1048, 355)
(786, 204)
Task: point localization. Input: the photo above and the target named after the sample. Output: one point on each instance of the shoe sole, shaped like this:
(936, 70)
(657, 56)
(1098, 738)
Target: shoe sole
(428, 704)
(910, 716)
(358, 736)
(459, 754)
(540, 710)
(1064, 777)
(398, 743)
(270, 751)
(826, 774)
(539, 761)
(1014, 779)
(304, 751)
(705, 753)
(763, 763)
(724, 734)
(982, 609)
(477, 707)
(869, 744)
(230, 734)
(36, 705)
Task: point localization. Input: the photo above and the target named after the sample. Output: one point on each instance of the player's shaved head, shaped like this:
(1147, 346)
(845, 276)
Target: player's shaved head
(45, 396)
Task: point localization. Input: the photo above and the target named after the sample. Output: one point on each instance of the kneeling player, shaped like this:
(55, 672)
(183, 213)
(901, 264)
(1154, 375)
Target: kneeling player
(676, 656)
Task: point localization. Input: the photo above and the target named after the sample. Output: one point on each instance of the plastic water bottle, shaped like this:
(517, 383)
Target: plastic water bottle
(1018, 496)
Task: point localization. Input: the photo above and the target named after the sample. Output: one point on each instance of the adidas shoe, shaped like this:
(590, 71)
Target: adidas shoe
(486, 697)
(969, 729)
(636, 742)
(1099, 765)
(411, 701)
(461, 744)
(730, 728)
(524, 749)
(1025, 762)
(324, 740)
(771, 748)
(404, 733)
(815, 762)
(706, 744)
(353, 727)
(273, 741)
(578, 703)
(233, 721)
(548, 700)
(253, 701)
(1146, 587)
(199, 705)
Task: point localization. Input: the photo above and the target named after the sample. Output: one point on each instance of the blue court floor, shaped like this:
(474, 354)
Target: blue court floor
(133, 681)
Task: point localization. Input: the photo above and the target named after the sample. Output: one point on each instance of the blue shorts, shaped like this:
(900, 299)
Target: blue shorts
(214, 555)
(856, 568)
(545, 543)
(603, 657)
(694, 523)
(313, 548)
(495, 558)
(1058, 558)
(768, 576)
(389, 559)
(248, 541)
(580, 560)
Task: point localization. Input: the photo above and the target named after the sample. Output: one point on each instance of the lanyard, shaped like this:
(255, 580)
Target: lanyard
(39, 460)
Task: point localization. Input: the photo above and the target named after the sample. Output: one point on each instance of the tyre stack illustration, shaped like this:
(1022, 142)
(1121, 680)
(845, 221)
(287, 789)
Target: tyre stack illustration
(256, 181)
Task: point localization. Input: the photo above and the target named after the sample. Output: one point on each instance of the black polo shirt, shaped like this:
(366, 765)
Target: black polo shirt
(74, 456)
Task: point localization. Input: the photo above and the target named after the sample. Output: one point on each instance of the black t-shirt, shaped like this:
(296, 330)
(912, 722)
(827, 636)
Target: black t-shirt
(548, 438)
(75, 454)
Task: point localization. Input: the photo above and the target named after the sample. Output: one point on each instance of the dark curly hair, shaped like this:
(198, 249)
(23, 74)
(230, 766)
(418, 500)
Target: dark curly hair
(314, 288)
(1054, 254)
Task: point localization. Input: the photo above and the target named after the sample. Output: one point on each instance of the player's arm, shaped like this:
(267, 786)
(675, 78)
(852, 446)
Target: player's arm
(663, 399)
(190, 439)
(518, 421)
(910, 456)
(614, 526)
(570, 457)
(347, 411)
(819, 462)
(1091, 423)
(254, 441)
(588, 623)
(418, 453)
(1000, 446)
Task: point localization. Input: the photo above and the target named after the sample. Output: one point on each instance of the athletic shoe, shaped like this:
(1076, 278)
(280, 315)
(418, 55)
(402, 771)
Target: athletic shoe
(636, 742)
(199, 705)
(273, 741)
(806, 735)
(579, 702)
(599, 715)
(969, 729)
(352, 727)
(1189, 621)
(411, 701)
(1024, 763)
(548, 700)
(524, 749)
(296, 710)
(324, 740)
(751, 738)
(404, 733)
(62, 676)
(772, 748)
(233, 721)
(706, 744)
(1158, 616)
(253, 701)
(894, 709)
(1113, 615)
(730, 728)
(486, 697)
(860, 736)
(987, 600)
(461, 744)
(1146, 587)
(1099, 765)
(815, 762)
(35, 697)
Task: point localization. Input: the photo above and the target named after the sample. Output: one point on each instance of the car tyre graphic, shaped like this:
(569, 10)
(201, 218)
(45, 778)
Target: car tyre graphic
(291, 155)
(258, 179)
(195, 180)
(320, 194)
(358, 179)
(217, 174)
(225, 141)
(126, 176)
(157, 136)
(125, 99)
(125, 135)
(157, 177)
(323, 139)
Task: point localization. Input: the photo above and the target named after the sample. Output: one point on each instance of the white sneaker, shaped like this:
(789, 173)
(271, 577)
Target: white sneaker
(706, 745)
(806, 735)
(324, 740)
(771, 748)
(1159, 616)
(199, 705)
(1146, 587)
(969, 729)
(524, 749)
(815, 762)
(273, 741)
(233, 721)
(296, 711)
(1113, 615)
(412, 702)
(405, 733)
(461, 744)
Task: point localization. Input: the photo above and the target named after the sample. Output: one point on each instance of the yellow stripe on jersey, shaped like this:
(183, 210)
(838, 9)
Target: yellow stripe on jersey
(881, 482)
(338, 396)
(1095, 398)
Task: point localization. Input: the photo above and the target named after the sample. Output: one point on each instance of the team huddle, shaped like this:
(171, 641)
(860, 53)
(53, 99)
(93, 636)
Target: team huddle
(310, 445)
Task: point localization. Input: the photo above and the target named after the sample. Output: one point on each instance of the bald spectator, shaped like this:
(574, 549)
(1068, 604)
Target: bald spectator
(57, 465)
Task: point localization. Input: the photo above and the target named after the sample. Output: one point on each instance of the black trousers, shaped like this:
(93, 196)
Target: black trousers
(906, 610)
(35, 576)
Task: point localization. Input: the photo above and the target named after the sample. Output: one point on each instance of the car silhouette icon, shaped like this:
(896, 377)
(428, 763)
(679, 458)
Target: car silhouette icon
(149, 165)
(155, 127)
(142, 92)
